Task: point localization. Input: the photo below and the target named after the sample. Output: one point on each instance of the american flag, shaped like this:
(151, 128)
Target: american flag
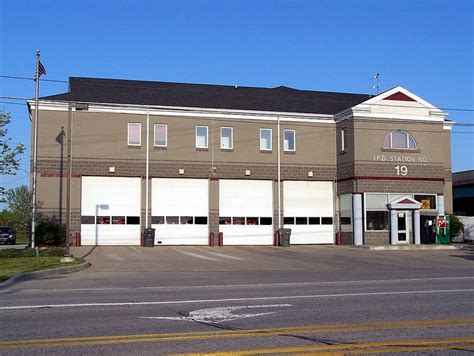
(41, 70)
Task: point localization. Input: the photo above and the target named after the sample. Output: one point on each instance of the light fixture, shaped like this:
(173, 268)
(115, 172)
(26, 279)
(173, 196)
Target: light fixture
(181, 171)
(310, 174)
(112, 169)
(247, 172)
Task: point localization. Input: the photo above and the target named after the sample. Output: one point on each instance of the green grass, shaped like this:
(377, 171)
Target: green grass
(22, 238)
(12, 266)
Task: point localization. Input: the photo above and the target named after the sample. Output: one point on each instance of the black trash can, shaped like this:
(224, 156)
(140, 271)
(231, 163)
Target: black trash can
(285, 235)
(149, 237)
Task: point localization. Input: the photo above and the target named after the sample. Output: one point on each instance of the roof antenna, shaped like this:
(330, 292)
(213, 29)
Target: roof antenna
(376, 77)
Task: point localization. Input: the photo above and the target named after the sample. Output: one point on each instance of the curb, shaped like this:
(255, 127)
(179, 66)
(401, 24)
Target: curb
(411, 247)
(25, 276)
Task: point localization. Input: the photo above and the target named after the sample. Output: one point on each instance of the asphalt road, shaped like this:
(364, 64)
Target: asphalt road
(261, 301)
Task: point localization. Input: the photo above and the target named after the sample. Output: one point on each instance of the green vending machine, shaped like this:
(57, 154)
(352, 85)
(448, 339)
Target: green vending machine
(443, 233)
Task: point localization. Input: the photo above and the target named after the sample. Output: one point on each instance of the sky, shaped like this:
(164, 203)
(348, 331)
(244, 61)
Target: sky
(338, 45)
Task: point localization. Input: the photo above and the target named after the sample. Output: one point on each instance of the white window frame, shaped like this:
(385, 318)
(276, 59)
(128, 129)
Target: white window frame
(343, 140)
(166, 135)
(407, 140)
(271, 139)
(139, 136)
(231, 138)
(207, 136)
(294, 138)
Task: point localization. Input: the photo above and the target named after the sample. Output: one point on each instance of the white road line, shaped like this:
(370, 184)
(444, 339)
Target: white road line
(314, 296)
(198, 256)
(225, 256)
(256, 285)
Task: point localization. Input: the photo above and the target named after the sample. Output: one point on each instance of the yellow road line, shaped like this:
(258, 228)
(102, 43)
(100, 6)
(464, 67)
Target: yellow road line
(264, 332)
(367, 347)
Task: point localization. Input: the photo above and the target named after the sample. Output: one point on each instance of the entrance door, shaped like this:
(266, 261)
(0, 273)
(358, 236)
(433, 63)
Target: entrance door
(404, 222)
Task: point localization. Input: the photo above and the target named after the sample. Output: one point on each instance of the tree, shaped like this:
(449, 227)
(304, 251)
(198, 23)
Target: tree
(19, 203)
(9, 161)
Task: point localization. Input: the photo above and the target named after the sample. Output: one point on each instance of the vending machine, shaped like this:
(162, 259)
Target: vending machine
(443, 234)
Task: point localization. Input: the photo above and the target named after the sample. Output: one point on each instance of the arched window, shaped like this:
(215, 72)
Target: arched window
(400, 140)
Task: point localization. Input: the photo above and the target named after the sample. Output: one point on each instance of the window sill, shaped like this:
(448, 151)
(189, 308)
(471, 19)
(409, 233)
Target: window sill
(289, 152)
(266, 151)
(227, 149)
(135, 147)
(160, 147)
(404, 150)
(202, 149)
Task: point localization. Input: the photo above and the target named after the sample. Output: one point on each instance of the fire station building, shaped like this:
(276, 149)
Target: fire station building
(191, 159)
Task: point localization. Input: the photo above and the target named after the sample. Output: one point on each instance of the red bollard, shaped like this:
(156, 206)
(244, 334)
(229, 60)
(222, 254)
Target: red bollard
(220, 239)
(78, 239)
(211, 239)
(142, 239)
(338, 238)
(276, 240)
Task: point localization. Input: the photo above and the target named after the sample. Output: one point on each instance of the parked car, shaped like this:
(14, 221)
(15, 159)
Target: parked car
(7, 235)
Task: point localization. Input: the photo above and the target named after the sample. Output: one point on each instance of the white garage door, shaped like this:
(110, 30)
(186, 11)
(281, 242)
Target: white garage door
(179, 210)
(110, 211)
(308, 210)
(245, 212)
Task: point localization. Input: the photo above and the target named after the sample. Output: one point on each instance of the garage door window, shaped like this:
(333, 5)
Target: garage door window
(172, 220)
(225, 220)
(238, 220)
(90, 220)
(157, 220)
(118, 220)
(326, 221)
(252, 221)
(303, 220)
(134, 133)
(103, 220)
(186, 220)
(200, 220)
(266, 221)
(133, 220)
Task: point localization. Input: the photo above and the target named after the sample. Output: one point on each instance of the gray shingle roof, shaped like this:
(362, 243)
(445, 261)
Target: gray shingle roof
(280, 99)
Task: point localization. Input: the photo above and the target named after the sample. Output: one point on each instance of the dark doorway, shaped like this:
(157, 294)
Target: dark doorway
(428, 229)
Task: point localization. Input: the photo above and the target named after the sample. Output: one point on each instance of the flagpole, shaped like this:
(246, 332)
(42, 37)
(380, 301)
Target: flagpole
(35, 154)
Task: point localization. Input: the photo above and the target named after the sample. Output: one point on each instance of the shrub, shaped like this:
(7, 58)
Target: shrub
(55, 251)
(50, 233)
(456, 225)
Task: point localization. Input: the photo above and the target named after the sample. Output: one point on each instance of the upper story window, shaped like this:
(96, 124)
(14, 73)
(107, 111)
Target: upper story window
(161, 135)
(289, 140)
(227, 138)
(201, 137)
(400, 140)
(344, 140)
(134, 134)
(266, 139)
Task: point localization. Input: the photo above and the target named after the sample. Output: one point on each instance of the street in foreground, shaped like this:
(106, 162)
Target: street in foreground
(246, 301)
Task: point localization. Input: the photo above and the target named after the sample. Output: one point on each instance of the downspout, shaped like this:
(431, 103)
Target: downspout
(279, 173)
(147, 165)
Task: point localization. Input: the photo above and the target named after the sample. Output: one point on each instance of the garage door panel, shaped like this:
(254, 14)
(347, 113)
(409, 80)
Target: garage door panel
(174, 199)
(312, 201)
(110, 210)
(247, 201)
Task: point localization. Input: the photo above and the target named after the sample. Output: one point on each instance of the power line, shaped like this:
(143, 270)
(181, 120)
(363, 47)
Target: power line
(227, 93)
